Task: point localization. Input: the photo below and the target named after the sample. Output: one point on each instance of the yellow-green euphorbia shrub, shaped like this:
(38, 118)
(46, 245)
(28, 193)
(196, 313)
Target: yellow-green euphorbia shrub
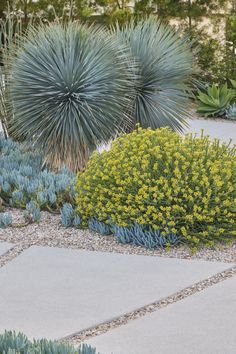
(185, 185)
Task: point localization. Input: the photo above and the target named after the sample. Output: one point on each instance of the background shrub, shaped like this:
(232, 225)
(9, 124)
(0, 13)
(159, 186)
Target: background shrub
(183, 185)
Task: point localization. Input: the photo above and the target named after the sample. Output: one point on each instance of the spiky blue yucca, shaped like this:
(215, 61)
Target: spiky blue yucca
(70, 90)
(165, 66)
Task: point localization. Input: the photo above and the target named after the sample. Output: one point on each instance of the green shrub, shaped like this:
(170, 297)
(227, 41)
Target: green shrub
(216, 100)
(18, 343)
(183, 185)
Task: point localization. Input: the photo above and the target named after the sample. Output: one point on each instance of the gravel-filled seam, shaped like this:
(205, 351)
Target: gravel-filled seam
(88, 333)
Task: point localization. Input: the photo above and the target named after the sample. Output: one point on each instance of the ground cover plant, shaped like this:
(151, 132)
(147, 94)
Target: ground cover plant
(17, 343)
(26, 183)
(158, 182)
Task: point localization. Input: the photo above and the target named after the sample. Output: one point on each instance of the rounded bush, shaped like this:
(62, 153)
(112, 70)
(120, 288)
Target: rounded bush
(184, 185)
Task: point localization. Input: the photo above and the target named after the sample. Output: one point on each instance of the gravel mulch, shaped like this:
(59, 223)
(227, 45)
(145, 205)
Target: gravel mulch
(49, 232)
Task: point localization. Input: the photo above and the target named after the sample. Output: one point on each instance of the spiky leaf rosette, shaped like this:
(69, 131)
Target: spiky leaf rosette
(70, 90)
(165, 67)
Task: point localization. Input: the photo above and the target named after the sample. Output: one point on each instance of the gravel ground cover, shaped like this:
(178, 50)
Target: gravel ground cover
(49, 232)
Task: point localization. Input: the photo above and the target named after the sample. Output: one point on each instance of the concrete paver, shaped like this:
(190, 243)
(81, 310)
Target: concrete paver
(221, 129)
(53, 292)
(4, 247)
(203, 323)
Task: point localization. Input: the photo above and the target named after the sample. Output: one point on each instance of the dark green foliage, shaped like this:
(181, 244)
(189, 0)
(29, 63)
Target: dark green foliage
(17, 343)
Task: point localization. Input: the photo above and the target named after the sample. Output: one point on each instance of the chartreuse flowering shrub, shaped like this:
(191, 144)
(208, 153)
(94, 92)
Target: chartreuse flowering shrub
(18, 343)
(176, 186)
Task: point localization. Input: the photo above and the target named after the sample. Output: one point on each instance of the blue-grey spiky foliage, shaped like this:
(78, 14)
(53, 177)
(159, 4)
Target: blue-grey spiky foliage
(23, 179)
(70, 90)
(5, 220)
(141, 235)
(69, 217)
(32, 212)
(165, 66)
(98, 226)
(231, 112)
(18, 343)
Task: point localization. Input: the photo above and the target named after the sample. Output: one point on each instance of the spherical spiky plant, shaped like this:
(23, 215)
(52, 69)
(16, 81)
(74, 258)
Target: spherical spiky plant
(165, 66)
(70, 90)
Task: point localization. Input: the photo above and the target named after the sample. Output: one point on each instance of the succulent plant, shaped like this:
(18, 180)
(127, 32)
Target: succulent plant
(69, 217)
(32, 212)
(98, 226)
(23, 179)
(5, 220)
(17, 343)
(215, 101)
(141, 235)
(231, 112)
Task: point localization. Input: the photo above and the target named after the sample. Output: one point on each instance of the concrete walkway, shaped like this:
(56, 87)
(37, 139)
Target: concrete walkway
(216, 128)
(4, 247)
(203, 323)
(55, 292)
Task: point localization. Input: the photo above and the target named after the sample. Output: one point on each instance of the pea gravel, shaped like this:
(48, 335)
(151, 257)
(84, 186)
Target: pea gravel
(86, 334)
(49, 232)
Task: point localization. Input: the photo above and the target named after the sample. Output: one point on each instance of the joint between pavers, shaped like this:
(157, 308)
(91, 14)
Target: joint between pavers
(103, 327)
(13, 252)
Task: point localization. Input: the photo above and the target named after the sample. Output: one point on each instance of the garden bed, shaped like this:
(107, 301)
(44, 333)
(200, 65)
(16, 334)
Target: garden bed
(49, 232)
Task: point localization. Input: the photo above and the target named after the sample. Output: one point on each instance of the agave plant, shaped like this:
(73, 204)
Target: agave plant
(231, 112)
(216, 100)
(70, 91)
(164, 70)
(233, 83)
